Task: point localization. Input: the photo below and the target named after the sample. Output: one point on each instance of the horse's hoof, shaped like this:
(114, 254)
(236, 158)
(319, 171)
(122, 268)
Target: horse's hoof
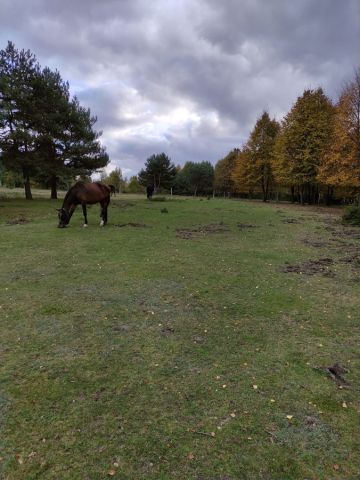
(102, 223)
(85, 225)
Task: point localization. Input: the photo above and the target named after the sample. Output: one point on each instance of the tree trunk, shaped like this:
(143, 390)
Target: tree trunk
(53, 187)
(27, 186)
(301, 193)
(292, 194)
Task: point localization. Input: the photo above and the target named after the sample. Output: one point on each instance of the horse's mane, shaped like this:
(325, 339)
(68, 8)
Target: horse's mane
(71, 189)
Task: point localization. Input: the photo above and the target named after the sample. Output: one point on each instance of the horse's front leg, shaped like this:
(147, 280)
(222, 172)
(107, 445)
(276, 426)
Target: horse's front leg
(85, 215)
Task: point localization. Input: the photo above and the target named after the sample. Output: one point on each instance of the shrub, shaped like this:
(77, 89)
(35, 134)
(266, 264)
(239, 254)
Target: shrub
(352, 216)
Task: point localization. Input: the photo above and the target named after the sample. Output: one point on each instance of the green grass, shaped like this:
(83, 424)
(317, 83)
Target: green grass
(127, 348)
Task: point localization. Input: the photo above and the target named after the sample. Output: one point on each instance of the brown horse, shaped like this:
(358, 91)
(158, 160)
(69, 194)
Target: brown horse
(83, 194)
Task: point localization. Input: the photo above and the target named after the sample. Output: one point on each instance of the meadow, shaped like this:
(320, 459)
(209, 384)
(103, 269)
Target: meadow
(188, 339)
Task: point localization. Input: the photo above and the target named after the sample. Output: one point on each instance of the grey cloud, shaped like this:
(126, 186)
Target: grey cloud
(134, 63)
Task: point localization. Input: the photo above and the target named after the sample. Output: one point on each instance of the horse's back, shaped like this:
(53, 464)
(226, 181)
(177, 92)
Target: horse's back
(91, 192)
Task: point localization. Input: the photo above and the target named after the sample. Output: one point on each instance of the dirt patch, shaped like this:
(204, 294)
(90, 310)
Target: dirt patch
(244, 226)
(132, 224)
(314, 243)
(201, 231)
(122, 328)
(352, 258)
(167, 331)
(122, 204)
(290, 220)
(311, 267)
(20, 220)
(336, 372)
(351, 232)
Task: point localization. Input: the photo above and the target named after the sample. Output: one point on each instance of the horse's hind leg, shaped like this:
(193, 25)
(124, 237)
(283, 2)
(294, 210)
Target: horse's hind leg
(103, 214)
(85, 215)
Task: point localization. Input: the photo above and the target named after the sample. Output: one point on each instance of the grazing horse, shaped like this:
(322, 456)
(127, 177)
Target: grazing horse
(83, 194)
(112, 190)
(149, 191)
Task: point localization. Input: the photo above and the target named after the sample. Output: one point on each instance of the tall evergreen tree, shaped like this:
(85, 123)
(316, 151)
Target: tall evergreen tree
(196, 178)
(159, 172)
(42, 132)
(19, 71)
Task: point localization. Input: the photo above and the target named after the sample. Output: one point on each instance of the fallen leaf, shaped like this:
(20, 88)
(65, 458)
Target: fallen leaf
(233, 415)
(344, 404)
(336, 466)
(213, 434)
(190, 456)
(272, 400)
(289, 417)
(111, 472)
(255, 387)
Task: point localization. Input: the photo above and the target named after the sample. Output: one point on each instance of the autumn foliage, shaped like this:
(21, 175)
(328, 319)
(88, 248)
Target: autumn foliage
(311, 155)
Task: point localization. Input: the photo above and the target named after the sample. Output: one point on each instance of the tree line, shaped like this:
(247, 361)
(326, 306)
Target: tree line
(45, 134)
(311, 155)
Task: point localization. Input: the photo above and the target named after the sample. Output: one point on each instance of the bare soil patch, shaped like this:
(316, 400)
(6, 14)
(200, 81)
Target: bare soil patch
(314, 243)
(20, 220)
(201, 231)
(311, 267)
(244, 226)
(132, 224)
(290, 220)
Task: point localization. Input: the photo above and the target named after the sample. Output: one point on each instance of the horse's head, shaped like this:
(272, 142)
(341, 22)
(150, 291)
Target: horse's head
(64, 217)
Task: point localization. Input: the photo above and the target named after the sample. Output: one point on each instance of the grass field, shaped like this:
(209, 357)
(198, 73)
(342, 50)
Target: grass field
(192, 343)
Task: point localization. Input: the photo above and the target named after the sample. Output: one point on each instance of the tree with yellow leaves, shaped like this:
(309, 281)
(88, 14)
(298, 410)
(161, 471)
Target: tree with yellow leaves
(253, 167)
(302, 143)
(223, 181)
(341, 163)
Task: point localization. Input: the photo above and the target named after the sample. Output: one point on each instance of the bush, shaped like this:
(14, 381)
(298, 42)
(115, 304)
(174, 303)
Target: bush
(352, 216)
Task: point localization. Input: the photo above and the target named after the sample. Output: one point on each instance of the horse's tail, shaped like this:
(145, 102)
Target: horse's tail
(112, 190)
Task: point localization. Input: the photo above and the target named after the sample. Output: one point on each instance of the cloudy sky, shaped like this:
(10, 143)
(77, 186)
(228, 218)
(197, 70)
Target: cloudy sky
(186, 77)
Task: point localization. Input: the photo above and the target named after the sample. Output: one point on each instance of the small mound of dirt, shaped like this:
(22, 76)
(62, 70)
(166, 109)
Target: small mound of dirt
(122, 328)
(314, 243)
(290, 220)
(243, 226)
(20, 220)
(122, 204)
(167, 331)
(201, 231)
(311, 267)
(132, 224)
(336, 372)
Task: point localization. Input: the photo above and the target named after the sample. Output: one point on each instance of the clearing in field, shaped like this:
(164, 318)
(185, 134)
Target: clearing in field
(216, 340)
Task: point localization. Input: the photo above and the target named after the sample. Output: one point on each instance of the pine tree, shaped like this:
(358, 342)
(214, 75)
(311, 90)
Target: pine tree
(159, 172)
(18, 74)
